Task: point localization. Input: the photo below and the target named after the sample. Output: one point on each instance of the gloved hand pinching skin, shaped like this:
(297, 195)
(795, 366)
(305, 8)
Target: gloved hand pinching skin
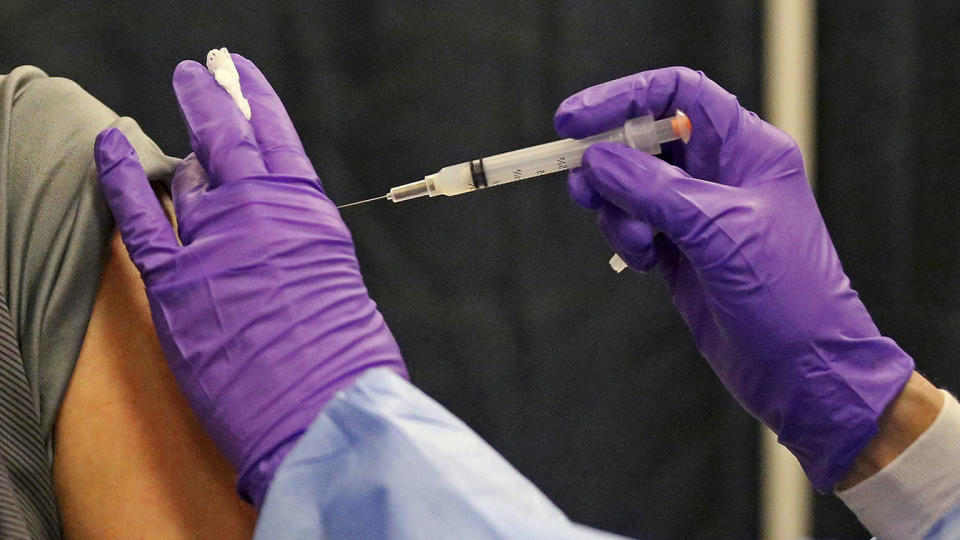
(734, 228)
(262, 312)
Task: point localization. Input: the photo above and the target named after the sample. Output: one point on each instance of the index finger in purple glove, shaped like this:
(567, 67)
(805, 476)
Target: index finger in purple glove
(714, 113)
(222, 138)
(279, 143)
(666, 198)
(645, 187)
(658, 92)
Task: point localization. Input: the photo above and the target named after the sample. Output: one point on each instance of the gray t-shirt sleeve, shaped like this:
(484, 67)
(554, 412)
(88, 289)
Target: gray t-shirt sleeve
(55, 225)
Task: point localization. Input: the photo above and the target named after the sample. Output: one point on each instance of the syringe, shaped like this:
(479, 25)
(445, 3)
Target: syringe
(643, 133)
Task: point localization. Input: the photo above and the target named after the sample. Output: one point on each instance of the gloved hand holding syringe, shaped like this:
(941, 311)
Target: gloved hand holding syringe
(643, 133)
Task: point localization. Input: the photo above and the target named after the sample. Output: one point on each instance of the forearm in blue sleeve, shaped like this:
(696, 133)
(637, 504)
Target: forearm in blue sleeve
(383, 460)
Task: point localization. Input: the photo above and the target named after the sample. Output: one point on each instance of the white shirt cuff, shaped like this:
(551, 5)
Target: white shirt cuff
(916, 489)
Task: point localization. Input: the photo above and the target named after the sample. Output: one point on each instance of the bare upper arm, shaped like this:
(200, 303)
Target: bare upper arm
(131, 458)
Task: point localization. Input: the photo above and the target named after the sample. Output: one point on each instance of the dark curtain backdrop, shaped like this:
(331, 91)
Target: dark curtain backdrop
(502, 301)
(889, 179)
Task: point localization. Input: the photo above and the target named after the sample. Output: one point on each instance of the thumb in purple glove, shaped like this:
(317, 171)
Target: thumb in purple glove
(748, 261)
(262, 312)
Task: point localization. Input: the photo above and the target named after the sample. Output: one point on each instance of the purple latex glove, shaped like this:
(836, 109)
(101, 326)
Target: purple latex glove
(261, 312)
(747, 258)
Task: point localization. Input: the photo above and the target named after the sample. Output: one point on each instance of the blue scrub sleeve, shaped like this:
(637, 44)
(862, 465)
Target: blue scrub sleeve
(383, 460)
(948, 528)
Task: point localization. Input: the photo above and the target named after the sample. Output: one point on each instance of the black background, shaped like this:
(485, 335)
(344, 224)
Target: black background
(889, 179)
(502, 301)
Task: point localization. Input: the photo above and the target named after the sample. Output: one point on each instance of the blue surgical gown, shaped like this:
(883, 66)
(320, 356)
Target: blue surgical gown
(383, 460)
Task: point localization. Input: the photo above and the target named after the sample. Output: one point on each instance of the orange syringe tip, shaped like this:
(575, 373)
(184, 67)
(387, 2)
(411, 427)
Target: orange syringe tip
(681, 126)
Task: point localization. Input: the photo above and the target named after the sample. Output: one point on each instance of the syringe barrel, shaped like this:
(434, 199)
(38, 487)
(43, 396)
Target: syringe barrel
(516, 165)
(642, 133)
(543, 159)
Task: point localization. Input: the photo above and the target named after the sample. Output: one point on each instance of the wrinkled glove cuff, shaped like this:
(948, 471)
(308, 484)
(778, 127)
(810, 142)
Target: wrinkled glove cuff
(837, 412)
(252, 485)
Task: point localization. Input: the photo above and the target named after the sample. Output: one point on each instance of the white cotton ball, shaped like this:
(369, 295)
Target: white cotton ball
(221, 66)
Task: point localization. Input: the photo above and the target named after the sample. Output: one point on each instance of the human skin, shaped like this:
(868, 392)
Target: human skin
(131, 458)
(905, 419)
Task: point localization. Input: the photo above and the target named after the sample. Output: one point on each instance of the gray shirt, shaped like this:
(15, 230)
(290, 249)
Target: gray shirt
(54, 231)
